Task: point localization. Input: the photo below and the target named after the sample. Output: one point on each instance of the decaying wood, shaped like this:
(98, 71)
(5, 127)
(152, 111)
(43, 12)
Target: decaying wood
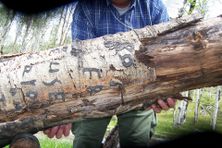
(109, 75)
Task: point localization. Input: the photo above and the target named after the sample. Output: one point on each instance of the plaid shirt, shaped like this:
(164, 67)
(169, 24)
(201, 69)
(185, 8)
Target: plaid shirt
(94, 18)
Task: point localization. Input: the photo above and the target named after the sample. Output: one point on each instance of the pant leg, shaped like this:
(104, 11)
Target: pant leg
(136, 128)
(89, 133)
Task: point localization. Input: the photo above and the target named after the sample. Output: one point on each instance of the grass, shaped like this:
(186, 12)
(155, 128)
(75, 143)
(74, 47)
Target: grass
(166, 128)
(45, 142)
(50, 143)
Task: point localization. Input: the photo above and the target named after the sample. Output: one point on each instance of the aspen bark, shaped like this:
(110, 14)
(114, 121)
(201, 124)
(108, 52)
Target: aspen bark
(197, 104)
(108, 75)
(216, 108)
(180, 115)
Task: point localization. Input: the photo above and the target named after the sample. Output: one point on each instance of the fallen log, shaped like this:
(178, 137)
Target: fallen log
(109, 75)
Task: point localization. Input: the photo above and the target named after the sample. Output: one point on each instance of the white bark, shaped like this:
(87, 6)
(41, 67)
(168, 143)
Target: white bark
(214, 117)
(182, 111)
(197, 103)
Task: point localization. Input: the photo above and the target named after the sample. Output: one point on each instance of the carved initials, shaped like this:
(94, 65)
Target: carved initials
(32, 94)
(52, 82)
(27, 69)
(127, 60)
(32, 82)
(57, 96)
(51, 70)
(90, 70)
(94, 89)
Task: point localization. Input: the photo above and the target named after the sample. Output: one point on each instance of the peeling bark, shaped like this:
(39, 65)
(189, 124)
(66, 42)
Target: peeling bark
(109, 75)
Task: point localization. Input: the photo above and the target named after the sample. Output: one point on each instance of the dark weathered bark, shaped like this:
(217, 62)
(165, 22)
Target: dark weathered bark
(109, 75)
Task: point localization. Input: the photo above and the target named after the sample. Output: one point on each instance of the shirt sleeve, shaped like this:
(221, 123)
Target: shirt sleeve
(159, 12)
(82, 28)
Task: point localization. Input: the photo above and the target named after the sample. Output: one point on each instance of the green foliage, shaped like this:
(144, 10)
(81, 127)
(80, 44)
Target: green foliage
(49, 143)
(111, 125)
(21, 33)
(194, 6)
(201, 6)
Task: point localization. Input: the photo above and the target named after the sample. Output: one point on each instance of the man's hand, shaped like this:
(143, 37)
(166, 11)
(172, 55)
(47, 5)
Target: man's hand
(58, 131)
(163, 105)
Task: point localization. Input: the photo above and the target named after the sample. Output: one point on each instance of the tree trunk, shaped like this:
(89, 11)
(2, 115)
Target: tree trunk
(214, 117)
(182, 111)
(7, 26)
(108, 75)
(197, 104)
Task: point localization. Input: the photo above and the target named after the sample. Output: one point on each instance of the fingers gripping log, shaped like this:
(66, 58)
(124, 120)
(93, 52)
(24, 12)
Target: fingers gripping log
(109, 75)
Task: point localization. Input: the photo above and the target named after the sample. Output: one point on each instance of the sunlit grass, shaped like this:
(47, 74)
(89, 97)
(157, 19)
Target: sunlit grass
(49, 143)
(167, 129)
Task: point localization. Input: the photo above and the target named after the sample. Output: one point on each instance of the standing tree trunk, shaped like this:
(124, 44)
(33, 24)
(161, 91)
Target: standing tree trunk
(108, 75)
(66, 24)
(214, 117)
(197, 104)
(29, 23)
(7, 26)
(180, 117)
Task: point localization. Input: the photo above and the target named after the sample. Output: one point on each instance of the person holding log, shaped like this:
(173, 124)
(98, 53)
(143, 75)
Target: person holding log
(95, 18)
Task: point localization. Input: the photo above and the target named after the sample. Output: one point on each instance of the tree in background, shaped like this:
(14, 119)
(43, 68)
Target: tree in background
(22, 33)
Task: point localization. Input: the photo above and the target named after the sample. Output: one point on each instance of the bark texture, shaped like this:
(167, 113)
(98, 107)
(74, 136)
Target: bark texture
(109, 75)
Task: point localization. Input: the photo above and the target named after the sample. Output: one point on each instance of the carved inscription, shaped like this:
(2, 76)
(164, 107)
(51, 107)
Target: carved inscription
(54, 51)
(56, 96)
(76, 52)
(111, 45)
(27, 69)
(32, 82)
(52, 82)
(94, 89)
(91, 70)
(126, 59)
(118, 46)
(51, 69)
(32, 95)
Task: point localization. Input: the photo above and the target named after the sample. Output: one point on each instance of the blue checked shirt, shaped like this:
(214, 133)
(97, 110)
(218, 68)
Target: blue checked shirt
(94, 18)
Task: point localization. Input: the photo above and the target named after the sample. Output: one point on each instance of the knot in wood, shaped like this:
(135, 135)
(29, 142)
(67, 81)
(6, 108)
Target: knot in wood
(198, 41)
